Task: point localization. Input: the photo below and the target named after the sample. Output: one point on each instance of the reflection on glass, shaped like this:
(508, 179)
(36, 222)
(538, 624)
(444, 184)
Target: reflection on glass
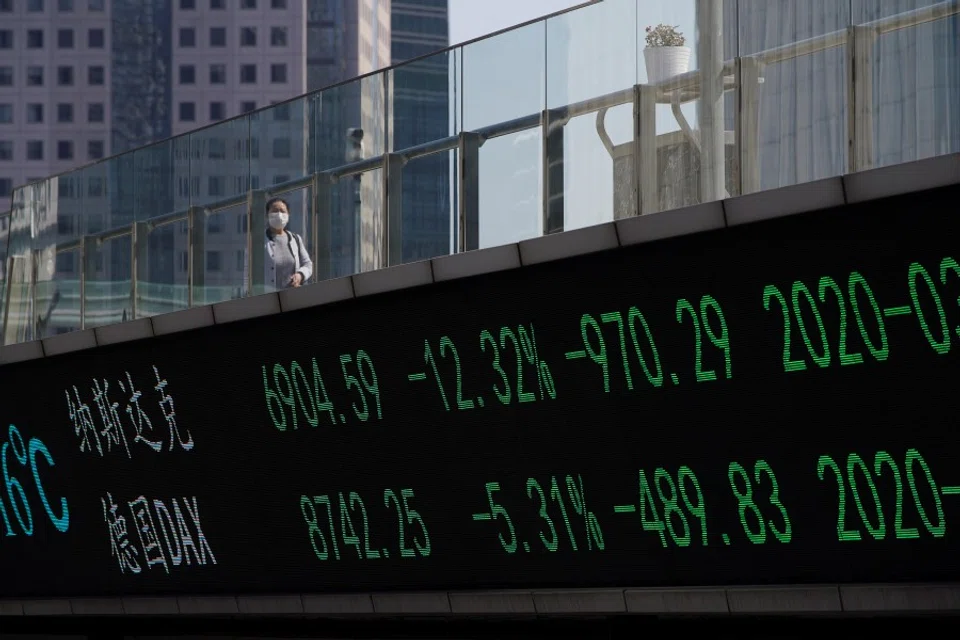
(347, 122)
(424, 109)
(282, 134)
(428, 215)
(794, 113)
(157, 167)
(219, 164)
(4, 237)
(60, 301)
(107, 287)
(349, 230)
(219, 249)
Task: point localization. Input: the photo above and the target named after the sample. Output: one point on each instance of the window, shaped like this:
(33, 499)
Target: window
(95, 187)
(34, 113)
(6, 6)
(95, 39)
(35, 39)
(216, 149)
(281, 112)
(218, 74)
(64, 150)
(218, 4)
(6, 150)
(95, 149)
(95, 112)
(218, 110)
(248, 74)
(188, 37)
(96, 76)
(278, 4)
(6, 113)
(218, 36)
(281, 148)
(248, 36)
(278, 36)
(248, 106)
(34, 76)
(280, 178)
(64, 112)
(34, 149)
(248, 4)
(213, 261)
(6, 76)
(216, 186)
(35, 6)
(6, 39)
(188, 112)
(96, 5)
(188, 5)
(65, 76)
(278, 73)
(65, 6)
(6, 188)
(188, 74)
(65, 38)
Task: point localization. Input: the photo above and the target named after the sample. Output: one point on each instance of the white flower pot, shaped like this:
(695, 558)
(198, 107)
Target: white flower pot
(665, 62)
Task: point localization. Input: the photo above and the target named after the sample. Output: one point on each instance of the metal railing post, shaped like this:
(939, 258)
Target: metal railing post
(468, 204)
(647, 164)
(552, 129)
(320, 219)
(196, 228)
(140, 271)
(88, 250)
(859, 57)
(392, 250)
(747, 122)
(256, 229)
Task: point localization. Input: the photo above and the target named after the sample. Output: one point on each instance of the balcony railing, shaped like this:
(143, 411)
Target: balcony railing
(549, 126)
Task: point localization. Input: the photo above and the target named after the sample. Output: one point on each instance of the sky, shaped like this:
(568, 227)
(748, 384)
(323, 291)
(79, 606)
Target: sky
(471, 19)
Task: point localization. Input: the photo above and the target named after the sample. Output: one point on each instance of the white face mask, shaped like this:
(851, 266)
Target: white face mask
(278, 220)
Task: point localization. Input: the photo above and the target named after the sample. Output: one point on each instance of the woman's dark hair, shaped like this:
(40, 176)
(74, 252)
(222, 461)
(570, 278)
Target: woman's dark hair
(272, 201)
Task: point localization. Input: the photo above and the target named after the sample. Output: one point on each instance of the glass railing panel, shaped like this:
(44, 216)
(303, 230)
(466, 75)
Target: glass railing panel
(117, 206)
(429, 194)
(349, 232)
(591, 52)
(794, 112)
(107, 292)
(221, 161)
(347, 122)
(911, 97)
(219, 249)
(282, 134)
(162, 268)
(162, 169)
(504, 79)
(30, 202)
(4, 238)
(425, 97)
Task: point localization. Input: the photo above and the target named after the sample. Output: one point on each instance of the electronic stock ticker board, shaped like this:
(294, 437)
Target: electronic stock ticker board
(773, 403)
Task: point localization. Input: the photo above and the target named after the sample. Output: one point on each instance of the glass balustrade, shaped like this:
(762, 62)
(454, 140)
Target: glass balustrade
(568, 121)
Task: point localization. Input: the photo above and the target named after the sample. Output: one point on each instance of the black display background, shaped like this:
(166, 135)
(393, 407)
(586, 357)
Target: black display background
(248, 476)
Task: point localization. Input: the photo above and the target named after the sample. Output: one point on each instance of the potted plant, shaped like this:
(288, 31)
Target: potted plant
(665, 55)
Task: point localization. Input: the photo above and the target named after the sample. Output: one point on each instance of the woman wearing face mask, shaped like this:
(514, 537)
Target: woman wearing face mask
(286, 262)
